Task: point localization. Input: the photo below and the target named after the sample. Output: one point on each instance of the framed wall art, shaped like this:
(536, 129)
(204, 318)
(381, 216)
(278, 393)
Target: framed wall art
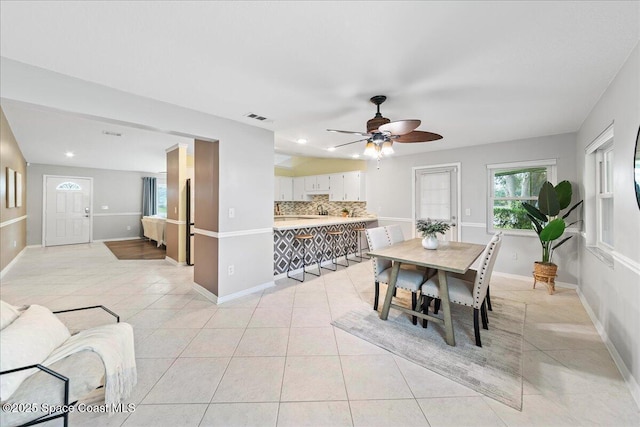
(11, 188)
(18, 184)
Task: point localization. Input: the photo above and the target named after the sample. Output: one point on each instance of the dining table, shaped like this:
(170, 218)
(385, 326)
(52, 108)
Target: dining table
(449, 257)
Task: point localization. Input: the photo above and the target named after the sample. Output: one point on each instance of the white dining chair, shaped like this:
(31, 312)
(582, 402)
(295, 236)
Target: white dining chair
(410, 280)
(395, 234)
(467, 290)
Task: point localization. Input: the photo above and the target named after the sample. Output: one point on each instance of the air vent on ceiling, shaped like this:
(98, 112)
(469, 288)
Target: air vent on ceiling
(257, 117)
(110, 133)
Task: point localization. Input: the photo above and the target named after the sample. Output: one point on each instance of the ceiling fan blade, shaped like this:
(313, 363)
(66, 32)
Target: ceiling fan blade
(399, 127)
(349, 132)
(417, 136)
(349, 143)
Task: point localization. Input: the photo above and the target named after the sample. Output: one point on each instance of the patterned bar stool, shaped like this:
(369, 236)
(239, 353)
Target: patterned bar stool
(332, 238)
(303, 239)
(359, 230)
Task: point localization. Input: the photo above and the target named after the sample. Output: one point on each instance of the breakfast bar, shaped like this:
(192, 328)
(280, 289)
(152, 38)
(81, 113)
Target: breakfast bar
(287, 226)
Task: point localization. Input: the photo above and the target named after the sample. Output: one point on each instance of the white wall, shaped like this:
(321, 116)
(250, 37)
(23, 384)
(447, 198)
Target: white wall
(389, 195)
(613, 293)
(246, 152)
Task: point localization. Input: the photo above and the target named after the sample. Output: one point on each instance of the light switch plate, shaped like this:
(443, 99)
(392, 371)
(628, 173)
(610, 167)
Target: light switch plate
(232, 212)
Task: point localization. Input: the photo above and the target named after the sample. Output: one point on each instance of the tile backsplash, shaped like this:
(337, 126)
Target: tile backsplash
(321, 201)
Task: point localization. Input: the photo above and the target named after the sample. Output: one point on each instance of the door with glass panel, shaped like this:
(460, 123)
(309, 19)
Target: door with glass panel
(67, 210)
(436, 197)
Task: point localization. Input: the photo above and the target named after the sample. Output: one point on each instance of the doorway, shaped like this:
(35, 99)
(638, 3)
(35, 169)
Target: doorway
(437, 196)
(67, 216)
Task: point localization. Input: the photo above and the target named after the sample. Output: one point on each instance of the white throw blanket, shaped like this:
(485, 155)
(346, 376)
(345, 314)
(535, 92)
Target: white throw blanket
(114, 344)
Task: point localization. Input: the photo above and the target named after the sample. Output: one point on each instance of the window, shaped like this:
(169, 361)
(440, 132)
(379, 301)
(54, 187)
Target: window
(510, 184)
(70, 186)
(161, 199)
(598, 184)
(604, 196)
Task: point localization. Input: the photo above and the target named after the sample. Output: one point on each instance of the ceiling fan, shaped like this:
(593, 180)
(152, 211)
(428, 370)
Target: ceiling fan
(382, 133)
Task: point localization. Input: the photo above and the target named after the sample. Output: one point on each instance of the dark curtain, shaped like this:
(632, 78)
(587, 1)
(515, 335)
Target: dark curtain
(149, 196)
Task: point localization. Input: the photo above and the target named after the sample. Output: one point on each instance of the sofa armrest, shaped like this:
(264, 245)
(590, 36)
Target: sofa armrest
(47, 417)
(91, 307)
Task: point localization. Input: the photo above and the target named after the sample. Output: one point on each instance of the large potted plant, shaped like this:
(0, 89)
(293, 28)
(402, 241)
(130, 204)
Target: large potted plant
(550, 226)
(429, 229)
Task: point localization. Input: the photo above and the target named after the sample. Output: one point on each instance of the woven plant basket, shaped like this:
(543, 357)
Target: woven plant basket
(545, 272)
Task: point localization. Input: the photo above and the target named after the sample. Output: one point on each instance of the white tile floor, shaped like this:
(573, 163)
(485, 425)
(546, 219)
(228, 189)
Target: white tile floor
(274, 359)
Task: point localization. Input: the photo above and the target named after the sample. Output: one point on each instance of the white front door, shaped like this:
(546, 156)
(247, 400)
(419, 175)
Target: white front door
(436, 197)
(67, 216)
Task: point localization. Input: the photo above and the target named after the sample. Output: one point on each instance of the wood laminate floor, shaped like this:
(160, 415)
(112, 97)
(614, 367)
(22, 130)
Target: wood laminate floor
(136, 249)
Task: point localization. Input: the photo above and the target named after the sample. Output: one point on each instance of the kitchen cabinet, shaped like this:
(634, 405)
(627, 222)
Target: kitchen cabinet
(299, 193)
(316, 183)
(348, 187)
(283, 189)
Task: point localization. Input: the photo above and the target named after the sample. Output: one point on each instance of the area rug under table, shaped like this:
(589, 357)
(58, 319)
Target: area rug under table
(495, 369)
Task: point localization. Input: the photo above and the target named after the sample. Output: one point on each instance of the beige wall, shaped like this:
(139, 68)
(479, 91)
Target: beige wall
(305, 166)
(207, 206)
(176, 203)
(13, 236)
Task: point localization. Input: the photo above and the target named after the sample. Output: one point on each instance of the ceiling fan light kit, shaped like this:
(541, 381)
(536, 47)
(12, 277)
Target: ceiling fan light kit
(382, 133)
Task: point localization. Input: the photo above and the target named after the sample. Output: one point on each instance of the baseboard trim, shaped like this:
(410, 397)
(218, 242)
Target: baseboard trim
(245, 292)
(115, 239)
(632, 384)
(174, 262)
(12, 263)
(205, 293)
(221, 300)
(530, 278)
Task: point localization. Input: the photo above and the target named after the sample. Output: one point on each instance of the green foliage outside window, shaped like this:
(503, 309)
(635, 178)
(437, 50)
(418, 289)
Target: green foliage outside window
(510, 215)
(510, 189)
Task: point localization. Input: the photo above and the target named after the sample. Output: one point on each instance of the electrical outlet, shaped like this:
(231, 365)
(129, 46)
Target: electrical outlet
(232, 212)
(231, 269)
(128, 227)
(514, 256)
(15, 244)
(175, 209)
(467, 212)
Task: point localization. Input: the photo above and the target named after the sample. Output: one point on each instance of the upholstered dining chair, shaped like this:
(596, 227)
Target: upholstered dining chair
(395, 234)
(467, 289)
(410, 280)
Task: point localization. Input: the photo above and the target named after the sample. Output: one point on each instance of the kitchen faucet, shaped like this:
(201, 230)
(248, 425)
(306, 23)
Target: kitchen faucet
(321, 211)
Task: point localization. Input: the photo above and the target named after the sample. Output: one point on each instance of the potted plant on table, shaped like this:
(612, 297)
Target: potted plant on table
(550, 226)
(429, 229)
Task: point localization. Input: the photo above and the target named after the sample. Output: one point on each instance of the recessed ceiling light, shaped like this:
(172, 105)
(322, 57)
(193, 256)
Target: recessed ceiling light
(331, 149)
(301, 141)
(355, 156)
(69, 154)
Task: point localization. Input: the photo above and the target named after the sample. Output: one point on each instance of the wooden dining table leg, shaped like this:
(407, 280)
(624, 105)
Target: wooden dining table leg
(395, 269)
(446, 308)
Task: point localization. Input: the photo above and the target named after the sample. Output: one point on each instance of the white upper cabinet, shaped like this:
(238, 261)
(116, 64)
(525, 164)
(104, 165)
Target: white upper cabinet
(354, 190)
(283, 189)
(316, 183)
(299, 193)
(347, 187)
(336, 193)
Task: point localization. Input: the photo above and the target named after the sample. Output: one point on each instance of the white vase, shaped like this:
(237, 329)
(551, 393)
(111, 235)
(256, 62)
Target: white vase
(430, 242)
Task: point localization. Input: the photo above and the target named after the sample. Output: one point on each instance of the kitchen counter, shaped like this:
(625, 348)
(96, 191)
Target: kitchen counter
(286, 250)
(291, 222)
